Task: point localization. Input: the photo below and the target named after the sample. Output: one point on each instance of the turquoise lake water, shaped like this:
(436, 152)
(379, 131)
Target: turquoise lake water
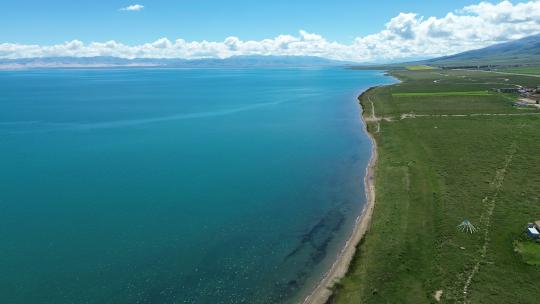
(177, 185)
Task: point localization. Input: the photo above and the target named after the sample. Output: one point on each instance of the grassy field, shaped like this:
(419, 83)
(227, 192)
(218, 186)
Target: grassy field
(449, 159)
(443, 94)
(523, 70)
(529, 250)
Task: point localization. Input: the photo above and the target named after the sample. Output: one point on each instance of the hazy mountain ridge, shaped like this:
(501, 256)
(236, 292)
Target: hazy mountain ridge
(525, 51)
(520, 52)
(106, 61)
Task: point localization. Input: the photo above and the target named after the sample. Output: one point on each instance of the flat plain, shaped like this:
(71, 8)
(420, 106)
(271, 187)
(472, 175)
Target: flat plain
(523, 70)
(445, 158)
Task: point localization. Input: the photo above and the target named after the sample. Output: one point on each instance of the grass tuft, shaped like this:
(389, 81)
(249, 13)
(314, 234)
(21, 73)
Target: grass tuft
(529, 251)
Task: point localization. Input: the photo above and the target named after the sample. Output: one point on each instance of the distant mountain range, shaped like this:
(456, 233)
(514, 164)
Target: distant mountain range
(517, 52)
(103, 61)
(525, 51)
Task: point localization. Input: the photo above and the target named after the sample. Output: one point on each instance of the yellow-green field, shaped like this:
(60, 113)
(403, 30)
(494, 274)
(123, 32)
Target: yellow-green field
(419, 67)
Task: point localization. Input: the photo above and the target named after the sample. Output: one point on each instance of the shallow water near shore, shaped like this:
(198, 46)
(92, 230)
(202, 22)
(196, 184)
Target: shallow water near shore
(177, 185)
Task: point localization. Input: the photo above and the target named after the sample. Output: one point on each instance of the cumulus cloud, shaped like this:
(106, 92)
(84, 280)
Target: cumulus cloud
(134, 7)
(404, 36)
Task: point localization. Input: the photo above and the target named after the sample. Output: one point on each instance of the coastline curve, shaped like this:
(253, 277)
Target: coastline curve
(323, 290)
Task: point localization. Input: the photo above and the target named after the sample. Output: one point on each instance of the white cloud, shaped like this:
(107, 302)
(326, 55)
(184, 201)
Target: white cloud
(134, 7)
(404, 36)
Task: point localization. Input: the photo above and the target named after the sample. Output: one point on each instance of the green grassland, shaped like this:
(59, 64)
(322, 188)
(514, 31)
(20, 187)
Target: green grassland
(433, 172)
(529, 250)
(523, 70)
(443, 94)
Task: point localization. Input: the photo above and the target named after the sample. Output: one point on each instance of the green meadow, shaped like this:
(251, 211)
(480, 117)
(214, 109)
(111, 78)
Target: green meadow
(523, 70)
(529, 250)
(446, 156)
(443, 94)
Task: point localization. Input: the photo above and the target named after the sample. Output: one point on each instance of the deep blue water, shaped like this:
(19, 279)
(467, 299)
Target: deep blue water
(177, 185)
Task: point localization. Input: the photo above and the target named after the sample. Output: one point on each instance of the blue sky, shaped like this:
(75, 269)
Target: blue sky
(362, 31)
(55, 21)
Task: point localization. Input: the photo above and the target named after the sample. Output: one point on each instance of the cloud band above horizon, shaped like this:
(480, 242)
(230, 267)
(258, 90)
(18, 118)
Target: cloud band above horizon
(407, 35)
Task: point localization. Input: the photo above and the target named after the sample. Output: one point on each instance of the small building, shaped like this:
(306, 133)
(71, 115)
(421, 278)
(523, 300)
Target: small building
(532, 232)
(521, 104)
(508, 90)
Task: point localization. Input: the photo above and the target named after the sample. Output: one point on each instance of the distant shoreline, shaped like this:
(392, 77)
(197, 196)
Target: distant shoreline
(24, 67)
(323, 291)
(107, 62)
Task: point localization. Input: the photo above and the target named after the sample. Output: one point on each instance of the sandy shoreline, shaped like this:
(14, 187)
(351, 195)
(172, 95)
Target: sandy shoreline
(322, 292)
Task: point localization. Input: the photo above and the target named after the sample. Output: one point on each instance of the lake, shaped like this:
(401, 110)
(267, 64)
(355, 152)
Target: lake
(177, 185)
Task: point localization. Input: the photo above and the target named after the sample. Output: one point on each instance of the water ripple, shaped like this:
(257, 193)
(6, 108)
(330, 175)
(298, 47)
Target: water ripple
(130, 122)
